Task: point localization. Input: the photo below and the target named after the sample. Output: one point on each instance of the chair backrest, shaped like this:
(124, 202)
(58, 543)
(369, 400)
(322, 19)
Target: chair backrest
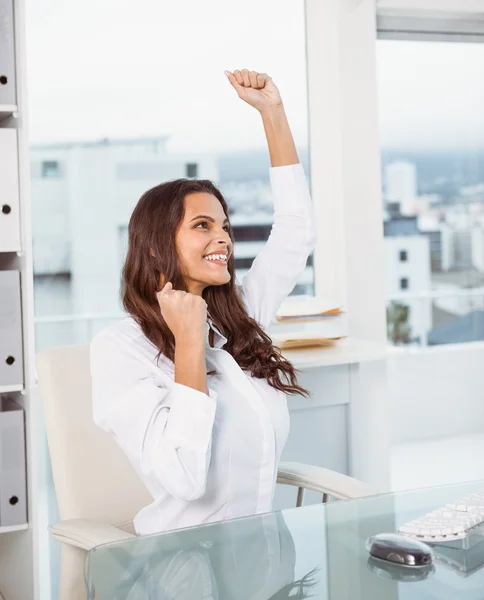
(92, 476)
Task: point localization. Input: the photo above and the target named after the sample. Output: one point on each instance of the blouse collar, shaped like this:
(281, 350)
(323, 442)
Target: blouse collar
(218, 339)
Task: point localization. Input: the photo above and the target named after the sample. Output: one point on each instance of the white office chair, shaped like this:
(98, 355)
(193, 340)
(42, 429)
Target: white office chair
(97, 489)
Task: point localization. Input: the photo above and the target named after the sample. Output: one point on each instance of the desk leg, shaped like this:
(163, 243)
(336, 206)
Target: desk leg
(369, 434)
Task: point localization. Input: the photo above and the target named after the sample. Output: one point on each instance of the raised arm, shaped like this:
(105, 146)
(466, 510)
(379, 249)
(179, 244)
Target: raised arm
(258, 90)
(277, 268)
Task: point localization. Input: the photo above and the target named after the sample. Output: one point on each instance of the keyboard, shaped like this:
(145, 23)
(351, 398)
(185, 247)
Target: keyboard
(454, 521)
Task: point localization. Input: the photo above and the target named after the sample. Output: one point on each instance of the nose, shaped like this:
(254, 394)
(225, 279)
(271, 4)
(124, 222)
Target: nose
(223, 238)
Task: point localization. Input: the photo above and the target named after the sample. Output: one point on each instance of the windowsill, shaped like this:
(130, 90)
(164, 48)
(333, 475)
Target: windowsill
(344, 352)
(395, 351)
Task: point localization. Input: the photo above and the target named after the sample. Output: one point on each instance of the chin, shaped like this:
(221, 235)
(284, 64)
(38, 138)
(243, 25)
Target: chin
(219, 280)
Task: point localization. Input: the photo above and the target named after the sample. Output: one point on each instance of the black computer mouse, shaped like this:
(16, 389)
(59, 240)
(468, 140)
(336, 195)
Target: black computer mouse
(399, 549)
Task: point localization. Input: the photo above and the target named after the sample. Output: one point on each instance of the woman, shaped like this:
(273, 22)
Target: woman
(189, 385)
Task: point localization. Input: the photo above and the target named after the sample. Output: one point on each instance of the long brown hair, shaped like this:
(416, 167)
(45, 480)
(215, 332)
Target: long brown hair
(152, 230)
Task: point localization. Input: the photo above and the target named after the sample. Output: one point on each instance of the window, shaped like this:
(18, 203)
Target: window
(205, 131)
(50, 169)
(191, 170)
(432, 132)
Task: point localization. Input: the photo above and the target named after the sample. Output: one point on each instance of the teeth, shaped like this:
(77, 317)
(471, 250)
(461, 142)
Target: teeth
(216, 257)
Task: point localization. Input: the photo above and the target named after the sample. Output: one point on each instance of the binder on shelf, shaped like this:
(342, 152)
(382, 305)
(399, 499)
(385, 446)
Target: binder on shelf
(13, 486)
(11, 354)
(8, 93)
(9, 192)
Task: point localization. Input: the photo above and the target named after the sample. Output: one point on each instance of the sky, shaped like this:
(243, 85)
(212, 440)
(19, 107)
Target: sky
(430, 94)
(115, 68)
(119, 68)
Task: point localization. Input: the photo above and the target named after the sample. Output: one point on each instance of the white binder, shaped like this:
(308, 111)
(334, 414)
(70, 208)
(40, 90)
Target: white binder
(9, 191)
(11, 355)
(8, 93)
(13, 486)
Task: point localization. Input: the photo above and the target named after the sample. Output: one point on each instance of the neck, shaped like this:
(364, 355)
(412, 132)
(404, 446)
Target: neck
(195, 288)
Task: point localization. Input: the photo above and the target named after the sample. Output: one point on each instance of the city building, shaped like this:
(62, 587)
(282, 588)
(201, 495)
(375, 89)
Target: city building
(82, 197)
(401, 185)
(407, 274)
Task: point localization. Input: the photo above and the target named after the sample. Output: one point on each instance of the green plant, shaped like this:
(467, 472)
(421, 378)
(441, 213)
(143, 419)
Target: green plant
(398, 327)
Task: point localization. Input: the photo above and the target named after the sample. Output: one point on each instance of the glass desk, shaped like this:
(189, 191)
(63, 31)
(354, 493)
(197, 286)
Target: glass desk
(310, 552)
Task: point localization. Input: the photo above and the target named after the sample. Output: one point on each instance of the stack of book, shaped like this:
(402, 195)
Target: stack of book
(308, 322)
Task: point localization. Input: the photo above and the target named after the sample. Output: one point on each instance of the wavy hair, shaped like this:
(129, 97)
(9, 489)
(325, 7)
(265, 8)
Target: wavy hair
(152, 230)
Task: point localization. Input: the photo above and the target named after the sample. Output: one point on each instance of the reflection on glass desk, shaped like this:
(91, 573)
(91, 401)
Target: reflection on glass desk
(310, 552)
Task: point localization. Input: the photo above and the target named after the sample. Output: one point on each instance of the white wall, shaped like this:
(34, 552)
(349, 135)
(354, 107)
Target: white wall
(363, 213)
(477, 245)
(128, 190)
(401, 185)
(447, 246)
(436, 392)
(417, 270)
(50, 215)
(94, 231)
(77, 216)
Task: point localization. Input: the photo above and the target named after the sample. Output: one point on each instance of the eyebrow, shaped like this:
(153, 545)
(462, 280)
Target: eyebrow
(211, 219)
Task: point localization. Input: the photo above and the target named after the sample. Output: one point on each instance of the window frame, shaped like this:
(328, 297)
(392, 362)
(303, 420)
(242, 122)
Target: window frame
(340, 40)
(436, 26)
(326, 188)
(345, 163)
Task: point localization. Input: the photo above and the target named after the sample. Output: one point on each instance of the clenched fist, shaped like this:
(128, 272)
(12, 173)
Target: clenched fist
(184, 313)
(257, 89)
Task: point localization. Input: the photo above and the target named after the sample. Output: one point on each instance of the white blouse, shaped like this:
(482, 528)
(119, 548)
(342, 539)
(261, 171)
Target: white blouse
(206, 457)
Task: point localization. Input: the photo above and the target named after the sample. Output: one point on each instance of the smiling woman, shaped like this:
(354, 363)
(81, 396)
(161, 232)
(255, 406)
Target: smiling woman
(203, 241)
(190, 385)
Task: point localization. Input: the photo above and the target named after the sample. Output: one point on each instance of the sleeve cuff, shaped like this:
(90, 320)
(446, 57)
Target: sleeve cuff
(290, 191)
(191, 418)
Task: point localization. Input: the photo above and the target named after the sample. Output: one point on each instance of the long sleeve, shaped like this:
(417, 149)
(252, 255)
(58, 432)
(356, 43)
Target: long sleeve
(164, 428)
(278, 266)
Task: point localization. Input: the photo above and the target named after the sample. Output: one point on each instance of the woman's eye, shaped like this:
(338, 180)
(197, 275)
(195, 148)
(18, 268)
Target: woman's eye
(203, 224)
(227, 228)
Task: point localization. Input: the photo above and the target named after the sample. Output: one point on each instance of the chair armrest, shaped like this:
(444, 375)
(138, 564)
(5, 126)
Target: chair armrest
(322, 480)
(87, 533)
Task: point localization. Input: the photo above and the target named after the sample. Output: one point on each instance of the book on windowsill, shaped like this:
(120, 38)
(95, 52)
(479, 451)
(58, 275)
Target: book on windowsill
(302, 340)
(309, 319)
(304, 308)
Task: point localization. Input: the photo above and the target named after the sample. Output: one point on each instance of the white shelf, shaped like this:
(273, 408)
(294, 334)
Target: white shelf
(344, 352)
(11, 528)
(7, 110)
(10, 250)
(21, 569)
(6, 389)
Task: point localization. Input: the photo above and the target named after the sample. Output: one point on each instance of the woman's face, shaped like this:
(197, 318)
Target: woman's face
(203, 243)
